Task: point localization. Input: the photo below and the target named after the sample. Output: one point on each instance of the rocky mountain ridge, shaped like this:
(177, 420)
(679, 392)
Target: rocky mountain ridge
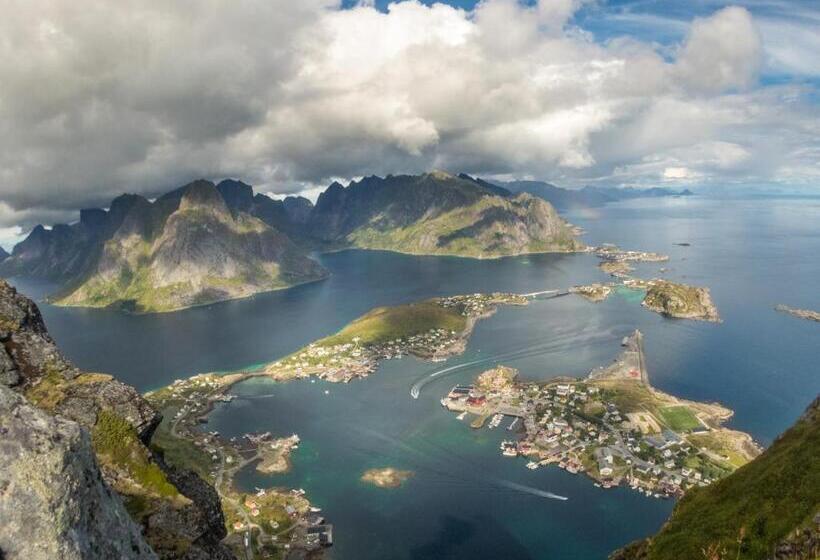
(204, 242)
(99, 489)
(188, 247)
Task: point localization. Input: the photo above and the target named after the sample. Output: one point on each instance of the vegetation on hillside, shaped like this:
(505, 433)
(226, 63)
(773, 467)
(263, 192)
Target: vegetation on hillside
(746, 515)
(387, 323)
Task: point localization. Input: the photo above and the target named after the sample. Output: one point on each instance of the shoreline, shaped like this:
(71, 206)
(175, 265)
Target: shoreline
(611, 425)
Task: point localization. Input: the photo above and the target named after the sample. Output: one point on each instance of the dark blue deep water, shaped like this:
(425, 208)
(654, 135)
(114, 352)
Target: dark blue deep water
(466, 500)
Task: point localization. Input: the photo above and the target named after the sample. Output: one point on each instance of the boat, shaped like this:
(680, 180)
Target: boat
(509, 448)
(462, 415)
(532, 465)
(512, 425)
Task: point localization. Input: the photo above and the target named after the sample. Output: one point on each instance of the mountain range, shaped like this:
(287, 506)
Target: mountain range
(587, 197)
(207, 242)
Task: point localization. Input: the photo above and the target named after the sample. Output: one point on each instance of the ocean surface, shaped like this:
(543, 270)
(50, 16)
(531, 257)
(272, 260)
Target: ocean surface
(465, 500)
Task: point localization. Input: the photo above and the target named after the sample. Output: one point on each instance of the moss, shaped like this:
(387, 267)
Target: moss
(117, 445)
(53, 387)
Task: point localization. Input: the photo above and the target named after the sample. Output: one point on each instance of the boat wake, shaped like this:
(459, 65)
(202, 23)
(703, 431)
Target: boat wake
(557, 343)
(531, 490)
(449, 468)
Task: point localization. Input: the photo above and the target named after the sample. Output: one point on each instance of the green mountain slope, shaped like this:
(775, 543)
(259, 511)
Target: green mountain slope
(769, 508)
(201, 253)
(438, 214)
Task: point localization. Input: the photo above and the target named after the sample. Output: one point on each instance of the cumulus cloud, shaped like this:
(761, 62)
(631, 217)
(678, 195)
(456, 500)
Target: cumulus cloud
(97, 98)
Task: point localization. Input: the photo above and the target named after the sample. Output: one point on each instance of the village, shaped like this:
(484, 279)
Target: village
(611, 426)
(433, 330)
(269, 523)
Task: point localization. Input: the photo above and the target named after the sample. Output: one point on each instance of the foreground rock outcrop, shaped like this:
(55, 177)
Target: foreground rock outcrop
(105, 477)
(53, 500)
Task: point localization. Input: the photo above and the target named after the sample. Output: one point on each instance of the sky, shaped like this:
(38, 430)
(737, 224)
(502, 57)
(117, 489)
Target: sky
(99, 98)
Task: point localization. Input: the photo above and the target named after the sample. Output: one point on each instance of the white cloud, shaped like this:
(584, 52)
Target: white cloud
(100, 98)
(721, 52)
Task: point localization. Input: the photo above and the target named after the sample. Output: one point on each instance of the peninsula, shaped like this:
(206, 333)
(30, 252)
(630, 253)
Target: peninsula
(611, 425)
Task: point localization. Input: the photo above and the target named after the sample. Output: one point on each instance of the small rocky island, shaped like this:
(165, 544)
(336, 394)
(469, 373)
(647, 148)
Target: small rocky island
(807, 314)
(677, 300)
(387, 477)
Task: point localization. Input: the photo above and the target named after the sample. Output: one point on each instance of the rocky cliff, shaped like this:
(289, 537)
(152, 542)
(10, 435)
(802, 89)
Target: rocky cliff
(53, 500)
(767, 509)
(97, 475)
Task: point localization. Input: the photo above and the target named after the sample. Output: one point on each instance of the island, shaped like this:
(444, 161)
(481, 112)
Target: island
(434, 330)
(617, 262)
(677, 300)
(611, 425)
(593, 292)
(387, 477)
(672, 299)
(807, 314)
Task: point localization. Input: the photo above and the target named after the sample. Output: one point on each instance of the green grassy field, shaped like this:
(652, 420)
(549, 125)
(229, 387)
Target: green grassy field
(388, 323)
(679, 418)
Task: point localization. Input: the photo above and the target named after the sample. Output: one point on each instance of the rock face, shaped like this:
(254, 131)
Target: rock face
(53, 501)
(102, 429)
(438, 214)
(770, 508)
(192, 246)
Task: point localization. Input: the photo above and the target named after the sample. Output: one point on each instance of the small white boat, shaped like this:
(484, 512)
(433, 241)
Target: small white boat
(462, 415)
(532, 465)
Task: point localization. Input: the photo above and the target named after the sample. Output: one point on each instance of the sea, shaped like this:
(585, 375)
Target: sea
(465, 500)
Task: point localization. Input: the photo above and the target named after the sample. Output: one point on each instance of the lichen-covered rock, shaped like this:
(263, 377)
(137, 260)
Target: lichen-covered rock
(53, 500)
(180, 514)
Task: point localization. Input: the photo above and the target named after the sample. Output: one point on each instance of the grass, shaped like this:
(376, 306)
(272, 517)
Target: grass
(747, 513)
(180, 452)
(679, 418)
(117, 445)
(387, 323)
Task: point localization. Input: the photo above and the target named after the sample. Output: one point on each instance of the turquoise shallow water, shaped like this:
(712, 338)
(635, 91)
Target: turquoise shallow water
(466, 500)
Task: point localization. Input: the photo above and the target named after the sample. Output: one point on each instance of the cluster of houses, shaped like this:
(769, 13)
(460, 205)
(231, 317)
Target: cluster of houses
(345, 362)
(559, 429)
(611, 252)
(480, 305)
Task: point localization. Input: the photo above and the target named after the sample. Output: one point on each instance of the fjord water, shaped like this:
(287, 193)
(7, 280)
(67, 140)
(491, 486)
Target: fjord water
(466, 500)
